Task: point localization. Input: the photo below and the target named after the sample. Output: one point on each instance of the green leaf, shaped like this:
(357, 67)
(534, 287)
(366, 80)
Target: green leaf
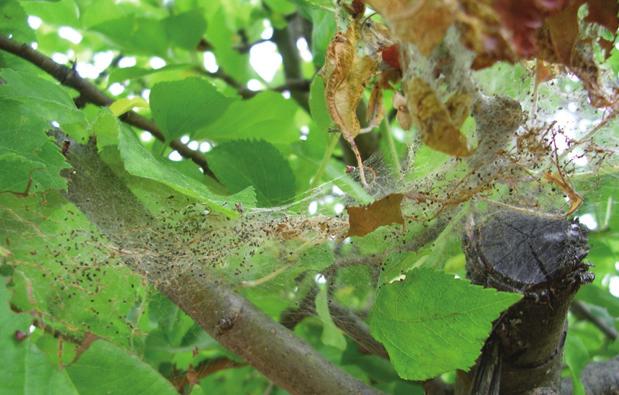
(186, 29)
(267, 116)
(284, 7)
(55, 12)
(28, 152)
(318, 104)
(331, 334)
(43, 99)
(182, 107)
(106, 369)
(139, 162)
(138, 35)
(323, 30)
(104, 126)
(121, 106)
(13, 21)
(244, 163)
(576, 358)
(432, 323)
(26, 370)
(130, 73)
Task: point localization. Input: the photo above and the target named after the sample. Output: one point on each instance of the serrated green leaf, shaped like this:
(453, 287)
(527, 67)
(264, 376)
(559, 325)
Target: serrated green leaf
(182, 107)
(331, 334)
(139, 162)
(28, 152)
(26, 370)
(432, 323)
(106, 369)
(43, 99)
(267, 116)
(186, 29)
(258, 164)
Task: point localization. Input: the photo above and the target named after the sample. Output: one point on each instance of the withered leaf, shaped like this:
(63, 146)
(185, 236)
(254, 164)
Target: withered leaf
(363, 220)
(403, 115)
(604, 12)
(438, 129)
(483, 33)
(421, 22)
(569, 49)
(346, 75)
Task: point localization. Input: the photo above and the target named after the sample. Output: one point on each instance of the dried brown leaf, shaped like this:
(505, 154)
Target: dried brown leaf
(438, 129)
(421, 22)
(376, 112)
(346, 75)
(363, 220)
(403, 115)
(483, 33)
(459, 107)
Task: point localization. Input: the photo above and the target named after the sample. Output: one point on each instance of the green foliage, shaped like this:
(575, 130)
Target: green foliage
(104, 368)
(267, 116)
(431, 323)
(331, 335)
(26, 369)
(273, 163)
(258, 164)
(139, 162)
(183, 107)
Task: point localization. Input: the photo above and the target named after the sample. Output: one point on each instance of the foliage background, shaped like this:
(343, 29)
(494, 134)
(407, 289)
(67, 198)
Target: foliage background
(197, 68)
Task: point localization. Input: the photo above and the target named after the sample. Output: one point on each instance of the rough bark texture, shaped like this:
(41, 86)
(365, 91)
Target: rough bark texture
(541, 258)
(234, 322)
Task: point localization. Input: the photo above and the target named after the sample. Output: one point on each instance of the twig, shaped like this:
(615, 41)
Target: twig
(205, 368)
(285, 39)
(582, 311)
(90, 93)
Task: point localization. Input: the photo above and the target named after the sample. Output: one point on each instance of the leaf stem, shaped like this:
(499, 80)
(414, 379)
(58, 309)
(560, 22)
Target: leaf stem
(335, 137)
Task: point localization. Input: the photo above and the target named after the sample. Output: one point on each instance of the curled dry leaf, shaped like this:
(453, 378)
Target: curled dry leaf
(376, 112)
(560, 42)
(438, 129)
(604, 12)
(420, 22)
(363, 220)
(346, 75)
(482, 32)
(403, 115)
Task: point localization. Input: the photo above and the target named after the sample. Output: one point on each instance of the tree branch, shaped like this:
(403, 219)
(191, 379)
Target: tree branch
(286, 39)
(90, 93)
(582, 311)
(205, 368)
(598, 378)
(229, 318)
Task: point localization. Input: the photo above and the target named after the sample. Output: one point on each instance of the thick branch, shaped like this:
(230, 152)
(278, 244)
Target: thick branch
(229, 318)
(90, 93)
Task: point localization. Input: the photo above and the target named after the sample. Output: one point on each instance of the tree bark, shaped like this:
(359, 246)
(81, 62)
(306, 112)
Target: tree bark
(229, 318)
(541, 258)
